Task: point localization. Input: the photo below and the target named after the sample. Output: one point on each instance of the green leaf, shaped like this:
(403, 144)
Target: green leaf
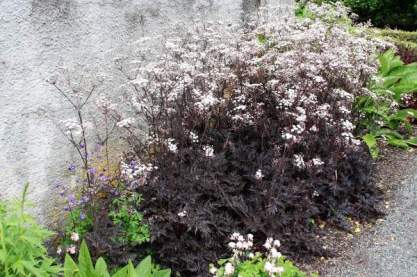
(101, 268)
(388, 62)
(404, 70)
(84, 260)
(131, 271)
(384, 132)
(262, 38)
(391, 80)
(29, 266)
(372, 144)
(70, 267)
(403, 88)
(400, 143)
(122, 272)
(163, 273)
(145, 267)
(403, 115)
(412, 141)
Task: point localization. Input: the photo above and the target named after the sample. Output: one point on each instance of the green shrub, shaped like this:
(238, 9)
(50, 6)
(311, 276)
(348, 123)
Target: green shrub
(331, 14)
(399, 34)
(22, 251)
(382, 112)
(382, 13)
(406, 42)
(86, 268)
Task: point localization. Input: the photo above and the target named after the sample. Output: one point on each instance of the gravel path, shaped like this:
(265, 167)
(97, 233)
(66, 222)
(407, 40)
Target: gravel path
(390, 248)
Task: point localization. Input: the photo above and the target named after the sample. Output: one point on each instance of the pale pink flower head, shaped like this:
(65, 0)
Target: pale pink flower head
(72, 249)
(229, 269)
(75, 237)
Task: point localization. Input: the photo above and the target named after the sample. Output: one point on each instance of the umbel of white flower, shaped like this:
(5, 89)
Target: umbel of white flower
(241, 247)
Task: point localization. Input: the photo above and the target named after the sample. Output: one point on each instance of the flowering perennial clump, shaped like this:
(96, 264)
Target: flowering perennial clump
(251, 129)
(246, 262)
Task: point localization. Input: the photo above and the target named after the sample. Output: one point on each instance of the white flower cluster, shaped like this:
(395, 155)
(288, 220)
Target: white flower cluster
(136, 171)
(313, 72)
(72, 249)
(193, 137)
(317, 162)
(172, 146)
(299, 161)
(105, 105)
(229, 269)
(210, 48)
(206, 102)
(126, 123)
(273, 256)
(208, 151)
(259, 175)
(240, 245)
(71, 127)
(242, 249)
(182, 214)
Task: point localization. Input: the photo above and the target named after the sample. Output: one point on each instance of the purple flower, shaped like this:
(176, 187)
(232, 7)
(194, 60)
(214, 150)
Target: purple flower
(84, 200)
(72, 201)
(58, 184)
(62, 193)
(115, 192)
(103, 178)
(82, 216)
(92, 170)
(71, 168)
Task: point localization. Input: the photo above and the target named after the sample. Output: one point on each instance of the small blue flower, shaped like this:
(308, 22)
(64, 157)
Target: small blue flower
(62, 193)
(58, 184)
(92, 170)
(84, 200)
(103, 178)
(82, 216)
(72, 201)
(71, 168)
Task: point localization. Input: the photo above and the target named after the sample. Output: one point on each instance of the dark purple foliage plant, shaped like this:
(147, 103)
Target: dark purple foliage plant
(251, 131)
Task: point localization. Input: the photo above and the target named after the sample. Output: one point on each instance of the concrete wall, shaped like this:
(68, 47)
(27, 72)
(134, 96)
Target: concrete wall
(38, 37)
